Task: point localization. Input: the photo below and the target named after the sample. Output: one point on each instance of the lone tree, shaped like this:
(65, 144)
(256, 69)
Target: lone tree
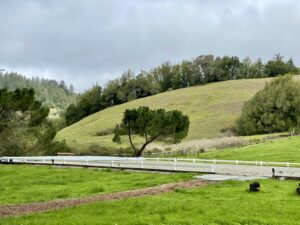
(152, 125)
(276, 108)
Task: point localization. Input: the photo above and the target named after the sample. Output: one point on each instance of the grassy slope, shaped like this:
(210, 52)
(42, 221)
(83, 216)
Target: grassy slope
(210, 108)
(224, 203)
(282, 150)
(22, 184)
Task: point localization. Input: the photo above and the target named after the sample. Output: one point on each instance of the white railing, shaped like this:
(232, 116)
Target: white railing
(112, 160)
(91, 159)
(235, 167)
(115, 162)
(231, 162)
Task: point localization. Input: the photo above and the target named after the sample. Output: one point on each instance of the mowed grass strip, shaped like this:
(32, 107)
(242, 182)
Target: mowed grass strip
(281, 150)
(223, 203)
(24, 184)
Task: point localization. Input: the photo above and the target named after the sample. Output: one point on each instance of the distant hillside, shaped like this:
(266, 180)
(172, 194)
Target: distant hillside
(281, 150)
(52, 93)
(211, 107)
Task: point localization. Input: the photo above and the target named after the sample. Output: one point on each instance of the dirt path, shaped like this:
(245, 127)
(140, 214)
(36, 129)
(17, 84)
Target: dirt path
(13, 210)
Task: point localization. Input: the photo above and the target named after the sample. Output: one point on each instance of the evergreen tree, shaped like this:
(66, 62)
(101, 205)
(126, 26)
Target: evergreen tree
(152, 125)
(274, 109)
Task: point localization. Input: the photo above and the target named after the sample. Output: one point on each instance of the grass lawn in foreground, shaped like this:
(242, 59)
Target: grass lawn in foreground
(223, 203)
(281, 150)
(23, 184)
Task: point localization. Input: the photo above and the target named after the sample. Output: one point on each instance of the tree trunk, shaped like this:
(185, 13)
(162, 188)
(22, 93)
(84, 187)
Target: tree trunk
(141, 150)
(130, 140)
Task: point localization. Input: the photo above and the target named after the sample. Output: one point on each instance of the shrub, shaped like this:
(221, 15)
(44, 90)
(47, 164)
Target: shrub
(276, 108)
(105, 132)
(97, 150)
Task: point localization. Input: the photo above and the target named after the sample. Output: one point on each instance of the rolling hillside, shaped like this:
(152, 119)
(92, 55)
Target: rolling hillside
(210, 107)
(282, 150)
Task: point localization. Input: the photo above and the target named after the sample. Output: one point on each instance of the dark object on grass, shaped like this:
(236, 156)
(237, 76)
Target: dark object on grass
(52, 161)
(254, 187)
(298, 189)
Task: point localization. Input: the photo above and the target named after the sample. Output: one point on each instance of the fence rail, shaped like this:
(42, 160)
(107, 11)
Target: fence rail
(236, 167)
(90, 159)
(232, 162)
(114, 162)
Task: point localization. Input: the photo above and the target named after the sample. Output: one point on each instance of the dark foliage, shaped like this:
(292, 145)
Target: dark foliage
(88, 103)
(152, 125)
(274, 109)
(50, 93)
(24, 125)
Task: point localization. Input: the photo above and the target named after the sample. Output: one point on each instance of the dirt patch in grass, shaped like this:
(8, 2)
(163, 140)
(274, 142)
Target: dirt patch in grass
(14, 210)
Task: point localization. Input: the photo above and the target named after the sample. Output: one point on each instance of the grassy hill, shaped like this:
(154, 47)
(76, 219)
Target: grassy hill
(210, 107)
(282, 150)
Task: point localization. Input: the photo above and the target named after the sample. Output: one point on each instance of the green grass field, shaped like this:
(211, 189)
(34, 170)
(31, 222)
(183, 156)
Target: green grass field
(281, 150)
(23, 184)
(210, 107)
(225, 203)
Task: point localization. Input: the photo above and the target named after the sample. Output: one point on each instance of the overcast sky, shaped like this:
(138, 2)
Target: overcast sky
(89, 41)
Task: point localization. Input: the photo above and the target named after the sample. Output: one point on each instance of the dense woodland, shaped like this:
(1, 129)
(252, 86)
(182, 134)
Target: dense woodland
(51, 93)
(198, 71)
(24, 127)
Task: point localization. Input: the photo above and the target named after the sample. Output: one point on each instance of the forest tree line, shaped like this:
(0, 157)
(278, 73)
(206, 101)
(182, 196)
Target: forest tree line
(200, 70)
(24, 125)
(51, 93)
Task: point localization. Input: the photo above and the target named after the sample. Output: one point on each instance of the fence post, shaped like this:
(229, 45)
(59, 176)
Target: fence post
(212, 168)
(142, 164)
(261, 163)
(44, 161)
(87, 162)
(194, 160)
(157, 159)
(236, 162)
(174, 164)
(288, 164)
(112, 163)
(25, 160)
(214, 161)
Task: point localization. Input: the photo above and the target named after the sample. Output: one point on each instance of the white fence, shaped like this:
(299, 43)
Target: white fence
(231, 162)
(236, 167)
(102, 159)
(115, 162)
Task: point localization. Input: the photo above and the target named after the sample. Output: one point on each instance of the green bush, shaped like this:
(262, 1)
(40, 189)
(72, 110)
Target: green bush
(276, 108)
(105, 132)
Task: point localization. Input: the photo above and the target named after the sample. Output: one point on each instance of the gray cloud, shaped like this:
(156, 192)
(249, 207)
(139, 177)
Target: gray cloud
(88, 41)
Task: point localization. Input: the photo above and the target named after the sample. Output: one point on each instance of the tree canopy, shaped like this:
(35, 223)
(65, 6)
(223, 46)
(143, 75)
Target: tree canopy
(24, 128)
(152, 124)
(88, 103)
(20, 105)
(276, 108)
